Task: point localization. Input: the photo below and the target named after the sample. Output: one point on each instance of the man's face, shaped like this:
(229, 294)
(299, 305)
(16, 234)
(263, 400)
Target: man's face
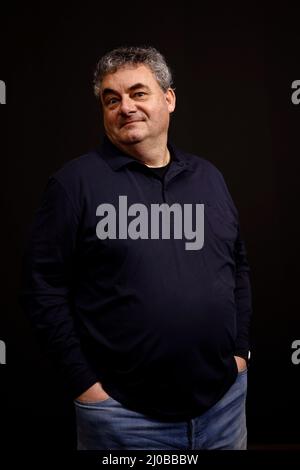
(135, 108)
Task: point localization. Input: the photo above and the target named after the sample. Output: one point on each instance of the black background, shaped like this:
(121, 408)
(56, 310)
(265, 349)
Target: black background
(233, 72)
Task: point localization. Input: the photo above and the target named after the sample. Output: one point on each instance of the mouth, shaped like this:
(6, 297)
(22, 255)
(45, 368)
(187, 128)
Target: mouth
(131, 122)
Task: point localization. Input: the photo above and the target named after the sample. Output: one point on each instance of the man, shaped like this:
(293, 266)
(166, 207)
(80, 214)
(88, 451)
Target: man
(149, 328)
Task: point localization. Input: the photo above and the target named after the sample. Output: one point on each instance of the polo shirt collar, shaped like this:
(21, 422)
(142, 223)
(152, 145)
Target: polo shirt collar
(118, 159)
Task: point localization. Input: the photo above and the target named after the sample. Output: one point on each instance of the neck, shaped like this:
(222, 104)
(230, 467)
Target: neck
(153, 156)
(158, 160)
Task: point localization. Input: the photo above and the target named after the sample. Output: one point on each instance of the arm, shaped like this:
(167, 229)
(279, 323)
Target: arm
(242, 283)
(46, 287)
(243, 300)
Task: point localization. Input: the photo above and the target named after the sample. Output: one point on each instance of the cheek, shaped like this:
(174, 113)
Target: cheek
(109, 121)
(161, 115)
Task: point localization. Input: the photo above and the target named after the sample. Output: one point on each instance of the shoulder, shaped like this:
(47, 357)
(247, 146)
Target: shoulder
(210, 177)
(78, 169)
(73, 180)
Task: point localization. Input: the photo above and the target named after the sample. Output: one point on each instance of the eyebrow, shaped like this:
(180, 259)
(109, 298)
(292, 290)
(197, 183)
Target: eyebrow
(108, 91)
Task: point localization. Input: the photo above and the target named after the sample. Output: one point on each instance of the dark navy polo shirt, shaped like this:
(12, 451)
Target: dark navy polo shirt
(158, 325)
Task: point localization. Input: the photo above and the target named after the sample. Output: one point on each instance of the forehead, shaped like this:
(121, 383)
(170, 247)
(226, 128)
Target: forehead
(129, 75)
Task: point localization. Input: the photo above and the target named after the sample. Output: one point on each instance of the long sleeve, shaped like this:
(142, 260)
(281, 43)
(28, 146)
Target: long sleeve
(243, 296)
(46, 293)
(243, 299)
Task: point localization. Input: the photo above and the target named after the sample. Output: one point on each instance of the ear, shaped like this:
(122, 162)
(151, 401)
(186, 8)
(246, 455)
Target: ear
(170, 99)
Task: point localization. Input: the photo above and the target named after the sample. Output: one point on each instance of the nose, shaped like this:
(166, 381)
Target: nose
(127, 106)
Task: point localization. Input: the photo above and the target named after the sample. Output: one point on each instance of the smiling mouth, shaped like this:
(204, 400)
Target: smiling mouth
(131, 122)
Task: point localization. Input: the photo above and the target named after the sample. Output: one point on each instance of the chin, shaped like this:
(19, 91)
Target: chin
(133, 138)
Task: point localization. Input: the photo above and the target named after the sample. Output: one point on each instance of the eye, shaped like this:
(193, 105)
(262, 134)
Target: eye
(111, 101)
(140, 94)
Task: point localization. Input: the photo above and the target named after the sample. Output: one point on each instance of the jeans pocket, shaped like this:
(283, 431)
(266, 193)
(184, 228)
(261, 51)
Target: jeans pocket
(93, 404)
(239, 372)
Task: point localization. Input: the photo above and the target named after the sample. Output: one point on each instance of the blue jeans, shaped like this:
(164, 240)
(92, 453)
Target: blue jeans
(108, 425)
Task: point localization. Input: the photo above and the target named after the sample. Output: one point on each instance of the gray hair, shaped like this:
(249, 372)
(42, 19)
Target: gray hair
(123, 56)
